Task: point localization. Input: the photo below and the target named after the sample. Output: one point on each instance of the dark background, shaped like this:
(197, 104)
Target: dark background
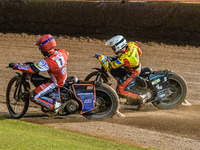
(162, 22)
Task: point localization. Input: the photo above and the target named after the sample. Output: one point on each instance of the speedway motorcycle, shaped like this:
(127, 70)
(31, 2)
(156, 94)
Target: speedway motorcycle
(93, 99)
(164, 89)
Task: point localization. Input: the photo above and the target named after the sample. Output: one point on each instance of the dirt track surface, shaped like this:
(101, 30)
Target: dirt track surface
(175, 129)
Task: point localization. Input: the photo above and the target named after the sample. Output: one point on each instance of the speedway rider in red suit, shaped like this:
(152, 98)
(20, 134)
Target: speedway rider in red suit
(127, 59)
(55, 62)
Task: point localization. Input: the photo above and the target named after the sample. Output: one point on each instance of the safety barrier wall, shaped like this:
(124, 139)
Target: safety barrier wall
(142, 20)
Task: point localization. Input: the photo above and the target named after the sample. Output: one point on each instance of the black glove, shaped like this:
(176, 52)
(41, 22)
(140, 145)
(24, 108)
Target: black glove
(11, 65)
(109, 59)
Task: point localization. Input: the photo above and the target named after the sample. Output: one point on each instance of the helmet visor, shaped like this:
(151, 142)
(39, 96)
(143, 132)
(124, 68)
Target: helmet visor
(38, 46)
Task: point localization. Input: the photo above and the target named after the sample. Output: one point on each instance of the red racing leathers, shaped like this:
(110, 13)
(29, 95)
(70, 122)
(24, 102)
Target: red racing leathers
(56, 65)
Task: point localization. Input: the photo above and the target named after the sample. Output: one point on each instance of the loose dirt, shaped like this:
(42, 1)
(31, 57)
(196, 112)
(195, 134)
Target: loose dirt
(174, 129)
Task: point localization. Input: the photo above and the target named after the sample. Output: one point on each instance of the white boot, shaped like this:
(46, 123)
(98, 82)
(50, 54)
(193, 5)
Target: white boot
(118, 113)
(186, 103)
(144, 99)
(57, 105)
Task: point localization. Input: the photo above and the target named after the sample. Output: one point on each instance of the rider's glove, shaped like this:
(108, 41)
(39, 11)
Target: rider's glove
(97, 55)
(11, 65)
(16, 67)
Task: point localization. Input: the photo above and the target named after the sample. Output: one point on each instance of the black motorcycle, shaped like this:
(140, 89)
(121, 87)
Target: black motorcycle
(164, 89)
(93, 99)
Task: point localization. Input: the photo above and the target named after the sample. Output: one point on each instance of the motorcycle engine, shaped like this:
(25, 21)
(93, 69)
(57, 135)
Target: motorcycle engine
(70, 107)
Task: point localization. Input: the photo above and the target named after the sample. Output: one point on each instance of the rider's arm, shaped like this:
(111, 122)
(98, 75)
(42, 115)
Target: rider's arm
(32, 68)
(117, 63)
(138, 49)
(42, 65)
(110, 65)
(104, 62)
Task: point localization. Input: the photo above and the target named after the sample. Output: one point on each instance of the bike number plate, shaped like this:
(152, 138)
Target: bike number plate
(85, 93)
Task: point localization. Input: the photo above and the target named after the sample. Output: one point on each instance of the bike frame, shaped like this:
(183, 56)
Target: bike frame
(103, 72)
(18, 88)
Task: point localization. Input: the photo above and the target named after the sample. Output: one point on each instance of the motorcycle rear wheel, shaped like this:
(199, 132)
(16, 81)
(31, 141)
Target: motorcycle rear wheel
(106, 104)
(176, 94)
(17, 104)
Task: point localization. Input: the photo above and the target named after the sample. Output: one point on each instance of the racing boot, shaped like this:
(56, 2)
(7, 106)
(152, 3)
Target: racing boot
(131, 101)
(56, 97)
(57, 107)
(186, 103)
(142, 101)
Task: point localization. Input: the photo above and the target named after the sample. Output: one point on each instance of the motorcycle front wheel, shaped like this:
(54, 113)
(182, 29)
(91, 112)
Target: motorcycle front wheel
(96, 76)
(106, 103)
(16, 98)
